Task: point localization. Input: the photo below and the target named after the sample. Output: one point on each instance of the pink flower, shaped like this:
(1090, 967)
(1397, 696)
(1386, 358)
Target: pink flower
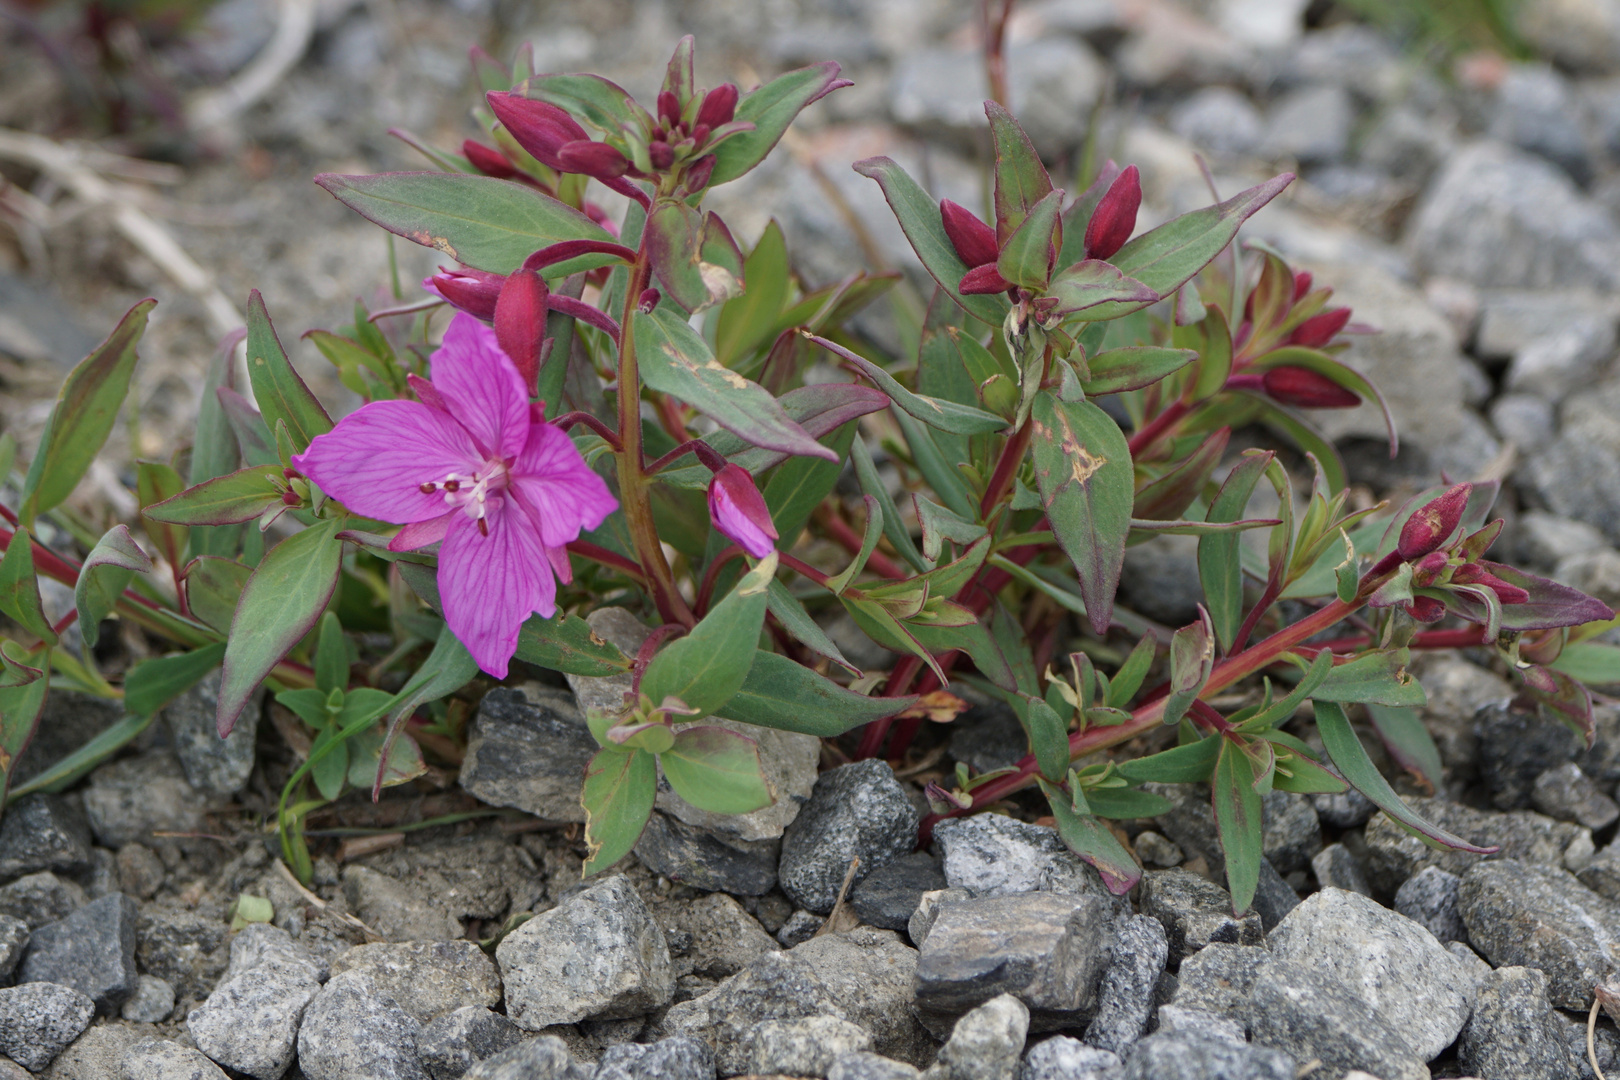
(738, 510)
(474, 466)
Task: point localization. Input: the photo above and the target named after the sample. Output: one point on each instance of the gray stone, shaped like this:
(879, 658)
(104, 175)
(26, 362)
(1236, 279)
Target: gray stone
(1218, 978)
(1513, 1031)
(151, 1003)
(1292, 834)
(426, 978)
(1536, 110)
(1498, 217)
(37, 899)
(1596, 573)
(1219, 120)
(597, 955)
(132, 798)
(13, 940)
(38, 1020)
(95, 1055)
(1157, 851)
(212, 765)
(528, 748)
(1571, 359)
(1190, 1057)
(1274, 898)
(1542, 917)
(545, 1058)
(1190, 824)
(1310, 125)
(1566, 793)
(1511, 320)
(985, 1043)
(250, 1022)
(994, 855)
(1406, 144)
(867, 1066)
(181, 947)
(1430, 899)
(43, 832)
(1393, 854)
(1129, 985)
(677, 1058)
(1195, 913)
(1388, 961)
(806, 1046)
(686, 854)
(1180, 1020)
(1336, 868)
(1602, 873)
(929, 906)
(1578, 475)
(69, 719)
(92, 950)
(1160, 580)
(140, 872)
(398, 910)
(888, 896)
(1309, 1014)
(352, 1030)
(1579, 34)
(857, 811)
(1048, 949)
(1345, 810)
(988, 737)
(711, 936)
(1527, 421)
(1546, 539)
(160, 1059)
(801, 927)
(456, 1041)
(1063, 1058)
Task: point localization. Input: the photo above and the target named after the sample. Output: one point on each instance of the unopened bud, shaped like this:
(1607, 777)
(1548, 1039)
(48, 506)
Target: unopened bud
(539, 127)
(738, 511)
(520, 322)
(1307, 389)
(648, 301)
(719, 106)
(1426, 609)
(698, 173)
(1433, 523)
(1320, 329)
(289, 498)
(1302, 285)
(596, 159)
(983, 279)
(1479, 577)
(473, 291)
(974, 241)
(1115, 217)
(669, 108)
(662, 155)
(487, 161)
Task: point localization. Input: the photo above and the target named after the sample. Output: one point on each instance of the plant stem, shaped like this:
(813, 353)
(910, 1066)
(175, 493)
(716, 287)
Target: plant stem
(1149, 433)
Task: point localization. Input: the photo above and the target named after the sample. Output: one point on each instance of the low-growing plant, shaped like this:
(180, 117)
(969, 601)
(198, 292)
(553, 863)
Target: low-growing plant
(637, 412)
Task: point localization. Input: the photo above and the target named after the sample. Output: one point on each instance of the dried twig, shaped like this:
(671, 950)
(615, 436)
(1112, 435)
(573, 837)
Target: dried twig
(834, 923)
(296, 26)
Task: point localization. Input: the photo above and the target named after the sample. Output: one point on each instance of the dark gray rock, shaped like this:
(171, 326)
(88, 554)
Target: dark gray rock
(1219, 120)
(599, 955)
(160, 1059)
(1189, 1057)
(995, 855)
(1346, 810)
(985, 1043)
(545, 1058)
(1274, 898)
(69, 719)
(711, 936)
(1336, 868)
(677, 1058)
(1520, 914)
(1515, 747)
(41, 898)
(1578, 474)
(1292, 833)
(1160, 580)
(1129, 985)
(687, 854)
(1571, 359)
(1063, 1058)
(458, 1040)
(1512, 319)
(1529, 422)
(151, 1003)
(889, 895)
(352, 1030)
(1195, 913)
(1602, 874)
(140, 872)
(528, 749)
(250, 1021)
(1430, 899)
(855, 811)
(800, 927)
(133, 798)
(426, 978)
(868, 1066)
(806, 1046)
(1190, 823)
(92, 950)
(43, 832)
(1218, 978)
(38, 1020)
(181, 947)
(13, 940)
(1393, 854)
(1309, 1014)
(1180, 1020)
(1566, 793)
(1513, 1031)
(988, 737)
(1048, 949)
(213, 765)
(1389, 962)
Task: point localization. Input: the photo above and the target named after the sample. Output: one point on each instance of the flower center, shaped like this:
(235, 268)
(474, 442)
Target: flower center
(473, 492)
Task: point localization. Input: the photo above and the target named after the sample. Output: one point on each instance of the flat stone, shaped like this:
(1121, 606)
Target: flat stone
(1520, 914)
(352, 1030)
(96, 1054)
(456, 1041)
(1156, 851)
(1513, 1031)
(597, 955)
(1512, 319)
(545, 1058)
(985, 1043)
(1515, 747)
(1176, 1019)
(1048, 949)
(68, 721)
(929, 906)
(38, 1020)
(1130, 983)
(1191, 1057)
(213, 765)
(803, 1047)
(1388, 961)
(1063, 1058)
(1220, 120)
(92, 950)
(1195, 913)
(687, 854)
(1602, 873)
(1566, 793)
(43, 832)
(994, 855)
(677, 1058)
(151, 1003)
(160, 1059)
(1218, 978)
(1555, 366)
(1311, 125)
(37, 899)
(132, 798)
(711, 936)
(856, 811)
(1578, 474)
(426, 978)
(1430, 898)
(888, 896)
(250, 1022)
(398, 910)
(1527, 421)
(528, 748)
(863, 1065)
(1308, 1013)
(1536, 110)
(988, 737)
(1336, 868)
(1393, 854)
(13, 940)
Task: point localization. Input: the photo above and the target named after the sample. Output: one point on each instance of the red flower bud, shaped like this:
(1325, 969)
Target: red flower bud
(648, 300)
(1302, 285)
(520, 322)
(698, 173)
(596, 159)
(738, 510)
(974, 241)
(1433, 523)
(1115, 217)
(1426, 609)
(539, 127)
(661, 154)
(719, 106)
(487, 161)
(1476, 575)
(1307, 389)
(473, 291)
(983, 279)
(1320, 328)
(288, 498)
(669, 108)
(1426, 569)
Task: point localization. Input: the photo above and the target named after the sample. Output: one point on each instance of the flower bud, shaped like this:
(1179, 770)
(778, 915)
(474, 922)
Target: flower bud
(1115, 217)
(648, 300)
(1320, 328)
(669, 108)
(719, 106)
(1476, 575)
(487, 161)
(661, 153)
(738, 510)
(1307, 389)
(473, 291)
(596, 159)
(698, 173)
(1433, 523)
(974, 241)
(1426, 609)
(1302, 285)
(520, 322)
(983, 279)
(539, 127)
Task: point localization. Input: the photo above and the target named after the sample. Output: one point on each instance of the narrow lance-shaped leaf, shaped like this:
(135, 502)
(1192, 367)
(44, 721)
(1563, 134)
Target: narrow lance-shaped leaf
(214, 451)
(447, 669)
(1089, 285)
(1219, 556)
(155, 482)
(771, 108)
(1088, 837)
(111, 564)
(1132, 368)
(152, 684)
(1408, 741)
(788, 696)
(798, 623)
(717, 770)
(223, 500)
(935, 412)
(213, 586)
(1026, 257)
(710, 664)
(1378, 677)
(20, 704)
(19, 588)
(1192, 660)
(282, 395)
(1238, 820)
(1048, 738)
(1021, 179)
(618, 798)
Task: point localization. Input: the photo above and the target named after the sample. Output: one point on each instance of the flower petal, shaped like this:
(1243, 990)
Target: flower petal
(481, 387)
(491, 584)
(558, 489)
(378, 457)
(421, 533)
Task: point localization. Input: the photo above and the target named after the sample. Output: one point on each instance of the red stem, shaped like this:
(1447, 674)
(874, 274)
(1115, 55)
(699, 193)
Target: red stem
(611, 559)
(838, 529)
(799, 566)
(711, 575)
(568, 420)
(1144, 438)
(1463, 638)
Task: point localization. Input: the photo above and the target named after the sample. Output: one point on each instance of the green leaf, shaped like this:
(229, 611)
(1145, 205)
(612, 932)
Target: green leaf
(224, 500)
(330, 769)
(869, 542)
(716, 770)
(599, 103)
(1192, 660)
(67, 771)
(447, 669)
(1090, 283)
(1408, 741)
(1591, 662)
(746, 321)
(675, 360)
(19, 588)
(618, 798)
(214, 449)
(1089, 838)
(331, 655)
(771, 108)
(919, 219)
(1182, 484)
(1280, 712)
(20, 703)
(798, 623)
(894, 527)
(1238, 820)
(1338, 373)
(1378, 677)
(155, 482)
(935, 412)
(152, 684)
(943, 474)
(1220, 568)
(281, 603)
(781, 694)
(1132, 368)
(370, 755)
(282, 395)
(111, 564)
(83, 416)
(1026, 257)
(1190, 764)
(1021, 179)
(1125, 803)
(1128, 679)
(565, 643)
(1048, 738)
(709, 665)
(1300, 774)
(800, 484)
(485, 223)
(252, 437)
(213, 587)
(1351, 759)
(939, 525)
(693, 255)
